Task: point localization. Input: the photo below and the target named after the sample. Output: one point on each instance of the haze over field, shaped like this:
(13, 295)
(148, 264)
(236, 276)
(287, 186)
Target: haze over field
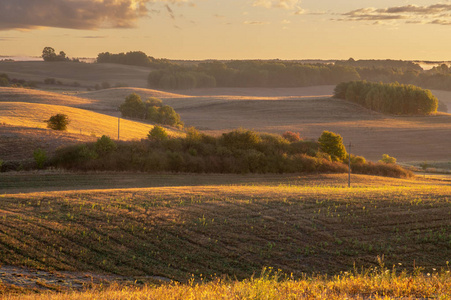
(232, 29)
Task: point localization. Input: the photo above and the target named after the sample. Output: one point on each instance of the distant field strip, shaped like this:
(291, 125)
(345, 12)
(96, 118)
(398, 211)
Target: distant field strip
(81, 121)
(35, 96)
(212, 230)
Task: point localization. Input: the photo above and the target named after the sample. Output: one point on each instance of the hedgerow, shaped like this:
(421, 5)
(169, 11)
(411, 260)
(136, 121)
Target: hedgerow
(239, 151)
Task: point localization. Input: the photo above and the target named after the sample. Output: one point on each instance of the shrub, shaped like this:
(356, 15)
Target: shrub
(105, 145)
(50, 81)
(291, 136)
(387, 159)
(157, 133)
(58, 122)
(240, 139)
(152, 101)
(40, 157)
(332, 144)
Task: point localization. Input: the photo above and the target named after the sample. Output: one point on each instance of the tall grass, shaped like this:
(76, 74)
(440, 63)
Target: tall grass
(376, 283)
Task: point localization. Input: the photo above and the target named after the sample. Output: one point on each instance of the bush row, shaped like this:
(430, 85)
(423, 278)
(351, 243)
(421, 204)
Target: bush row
(239, 151)
(393, 98)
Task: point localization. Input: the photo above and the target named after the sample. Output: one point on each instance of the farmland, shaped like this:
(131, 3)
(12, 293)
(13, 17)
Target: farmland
(307, 224)
(59, 228)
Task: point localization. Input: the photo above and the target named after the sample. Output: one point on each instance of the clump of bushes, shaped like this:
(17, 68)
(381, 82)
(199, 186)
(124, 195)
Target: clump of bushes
(58, 122)
(392, 98)
(388, 159)
(152, 109)
(239, 151)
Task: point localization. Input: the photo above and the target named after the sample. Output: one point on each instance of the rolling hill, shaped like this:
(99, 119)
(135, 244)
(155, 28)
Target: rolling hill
(408, 138)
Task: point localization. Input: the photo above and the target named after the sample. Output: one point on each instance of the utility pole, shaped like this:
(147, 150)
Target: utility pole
(118, 127)
(349, 162)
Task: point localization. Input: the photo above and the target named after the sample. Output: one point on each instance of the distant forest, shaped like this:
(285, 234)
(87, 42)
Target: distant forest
(166, 74)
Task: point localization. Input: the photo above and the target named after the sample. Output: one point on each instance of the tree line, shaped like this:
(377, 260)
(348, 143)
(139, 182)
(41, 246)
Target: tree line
(277, 73)
(392, 98)
(134, 58)
(250, 74)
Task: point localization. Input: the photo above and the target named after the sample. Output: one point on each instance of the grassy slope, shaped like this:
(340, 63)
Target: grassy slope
(408, 138)
(307, 225)
(271, 110)
(33, 115)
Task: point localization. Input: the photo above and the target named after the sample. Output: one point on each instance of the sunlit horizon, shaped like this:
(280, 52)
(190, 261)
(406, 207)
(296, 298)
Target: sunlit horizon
(230, 30)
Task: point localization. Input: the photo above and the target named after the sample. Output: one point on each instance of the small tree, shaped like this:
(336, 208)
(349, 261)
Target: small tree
(387, 159)
(133, 107)
(105, 145)
(332, 144)
(40, 157)
(58, 122)
(157, 133)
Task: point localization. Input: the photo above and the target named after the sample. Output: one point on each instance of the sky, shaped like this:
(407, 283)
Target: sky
(230, 29)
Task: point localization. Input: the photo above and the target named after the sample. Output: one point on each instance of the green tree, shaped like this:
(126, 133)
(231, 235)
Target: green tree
(58, 122)
(157, 133)
(40, 157)
(168, 116)
(105, 145)
(4, 80)
(332, 144)
(133, 107)
(48, 54)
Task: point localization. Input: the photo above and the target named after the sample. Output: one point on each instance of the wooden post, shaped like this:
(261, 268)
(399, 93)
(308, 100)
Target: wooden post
(349, 166)
(118, 128)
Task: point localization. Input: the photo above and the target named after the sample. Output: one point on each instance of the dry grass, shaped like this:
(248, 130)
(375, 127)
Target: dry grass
(8, 94)
(81, 121)
(375, 284)
(19, 143)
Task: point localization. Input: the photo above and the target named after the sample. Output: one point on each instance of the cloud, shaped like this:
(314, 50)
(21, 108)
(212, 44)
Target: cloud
(285, 4)
(94, 37)
(439, 13)
(74, 14)
(255, 23)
